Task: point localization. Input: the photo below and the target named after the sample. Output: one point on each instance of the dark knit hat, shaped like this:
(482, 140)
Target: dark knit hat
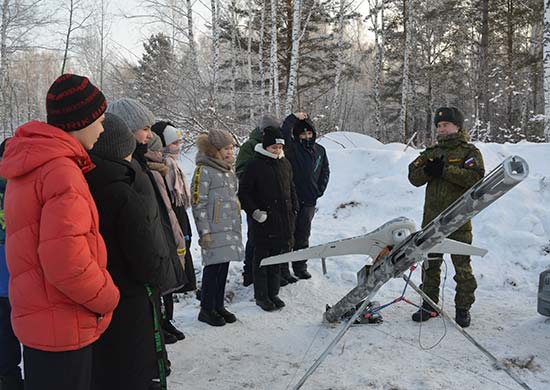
(268, 121)
(449, 114)
(131, 111)
(301, 126)
(116, 141)
(220, 138)
(272, 136)
(74, 103)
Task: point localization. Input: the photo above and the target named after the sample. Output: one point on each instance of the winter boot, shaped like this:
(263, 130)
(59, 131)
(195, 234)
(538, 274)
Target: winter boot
(168, 327)
(211, 317)
(425, 313)
(227, 315)
(169, 338)
(286, 276)
(302, 274)
(463, 318)
(266, 304)
(11, 383)
(279, 303)
(248, 279)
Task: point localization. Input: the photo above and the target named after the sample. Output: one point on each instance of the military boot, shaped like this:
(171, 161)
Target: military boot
(463, 318)
(424, 313)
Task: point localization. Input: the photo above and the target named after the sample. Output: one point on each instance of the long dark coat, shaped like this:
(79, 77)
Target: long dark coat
(124, 356)
(267, 185)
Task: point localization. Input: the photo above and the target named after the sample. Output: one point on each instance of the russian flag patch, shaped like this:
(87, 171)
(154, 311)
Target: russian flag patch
(470, 162)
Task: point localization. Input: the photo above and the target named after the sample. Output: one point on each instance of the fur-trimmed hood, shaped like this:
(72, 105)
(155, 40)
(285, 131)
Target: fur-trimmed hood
(209, 155)
(204, 146)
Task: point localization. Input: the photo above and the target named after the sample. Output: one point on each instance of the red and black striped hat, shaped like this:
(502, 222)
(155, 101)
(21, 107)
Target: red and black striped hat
(74, 103)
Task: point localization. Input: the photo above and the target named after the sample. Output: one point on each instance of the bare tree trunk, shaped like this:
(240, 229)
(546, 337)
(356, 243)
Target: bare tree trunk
(249, 67)
(546, 51)
(294, 58)
(483, 82)
(233, 59)
(4, 64)
(68, 36)
(261, 58)
(377, 20)
(274, 60)
(191, 37)
(407, 6)
(215, 50)
(510, 71)
(334, 113)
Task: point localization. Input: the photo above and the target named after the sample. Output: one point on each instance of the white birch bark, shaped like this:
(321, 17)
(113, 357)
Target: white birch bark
(215, 50)
(249, 68)
(261, 58)
(377, 20)
(191, 37)
(233, 59)
(406, 72)
(274, 64)
(294, 57)
(546, 51)
(335, 106)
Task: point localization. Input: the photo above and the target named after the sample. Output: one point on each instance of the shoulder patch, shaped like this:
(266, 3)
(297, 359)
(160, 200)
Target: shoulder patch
(469, 163)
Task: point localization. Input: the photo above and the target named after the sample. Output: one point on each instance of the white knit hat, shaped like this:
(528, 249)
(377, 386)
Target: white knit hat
(171, 134)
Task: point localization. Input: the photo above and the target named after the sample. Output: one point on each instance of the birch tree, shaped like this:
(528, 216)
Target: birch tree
(75, 6)
(261, 56)
(405, 88)
(273, 62)
(215, 49)
(294, 57)
(377, 21)
(547, 70)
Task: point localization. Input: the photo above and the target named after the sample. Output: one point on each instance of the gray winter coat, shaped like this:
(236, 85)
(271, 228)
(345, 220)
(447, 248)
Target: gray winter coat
(216, 208)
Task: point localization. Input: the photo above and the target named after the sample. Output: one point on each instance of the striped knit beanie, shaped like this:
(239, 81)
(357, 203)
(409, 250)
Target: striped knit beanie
(74, 103)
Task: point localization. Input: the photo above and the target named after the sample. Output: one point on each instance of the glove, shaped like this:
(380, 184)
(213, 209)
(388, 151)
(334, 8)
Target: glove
(259, 216)
(205, 241)
(434, 167)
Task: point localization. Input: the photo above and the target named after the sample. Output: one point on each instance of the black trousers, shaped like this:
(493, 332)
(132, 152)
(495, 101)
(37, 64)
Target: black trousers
(213, 286)
(10, 348)
(267, 280)
(69, 370)
(301, 237)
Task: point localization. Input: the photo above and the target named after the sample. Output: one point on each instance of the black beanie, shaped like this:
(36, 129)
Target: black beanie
(272, 136)
(449, 114)
(158, 129)
(74, 103)
(301, 126)
(116, 142)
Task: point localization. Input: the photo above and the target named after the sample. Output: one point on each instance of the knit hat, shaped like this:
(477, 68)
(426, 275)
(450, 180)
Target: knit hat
(301, 126)
(167, 132)
(449, 114)
(268, 121)
(220, 138)
(272, 136)
(73, 103)
(116, 142)
(135, 114)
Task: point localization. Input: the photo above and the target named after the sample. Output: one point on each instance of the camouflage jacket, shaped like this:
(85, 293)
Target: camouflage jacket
(463, 168)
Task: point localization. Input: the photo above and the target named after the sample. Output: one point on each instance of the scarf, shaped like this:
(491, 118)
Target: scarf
(175, 180)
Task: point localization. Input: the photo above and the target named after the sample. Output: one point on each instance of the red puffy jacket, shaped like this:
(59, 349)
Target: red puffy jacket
(61, 293)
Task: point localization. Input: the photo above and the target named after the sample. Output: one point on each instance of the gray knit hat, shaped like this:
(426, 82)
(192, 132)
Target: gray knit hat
(220, 138)
(135, 114)
(116, 141)
(268, 121)
(155, 143)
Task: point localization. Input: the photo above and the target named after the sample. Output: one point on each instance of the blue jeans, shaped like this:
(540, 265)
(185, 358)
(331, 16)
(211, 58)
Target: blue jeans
(10, 350)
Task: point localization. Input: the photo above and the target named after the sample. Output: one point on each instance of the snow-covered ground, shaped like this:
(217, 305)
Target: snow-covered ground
(368, 187)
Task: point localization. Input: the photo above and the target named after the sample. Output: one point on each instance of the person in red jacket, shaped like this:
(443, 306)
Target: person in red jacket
(61, 294)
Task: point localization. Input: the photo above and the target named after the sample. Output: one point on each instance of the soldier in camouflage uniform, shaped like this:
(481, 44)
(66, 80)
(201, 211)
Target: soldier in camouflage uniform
(449, 169)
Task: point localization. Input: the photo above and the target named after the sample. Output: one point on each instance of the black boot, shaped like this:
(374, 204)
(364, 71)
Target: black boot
(302, 274)
(227, 315)
(425, 313)
(266, 304)
(463, 318)
(11, 383)
(168, 327)
(286, 276)
(211, 317)
(169, 338)
(279, 303)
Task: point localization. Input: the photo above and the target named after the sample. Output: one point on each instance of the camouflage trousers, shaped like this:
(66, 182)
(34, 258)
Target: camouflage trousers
(464, 276)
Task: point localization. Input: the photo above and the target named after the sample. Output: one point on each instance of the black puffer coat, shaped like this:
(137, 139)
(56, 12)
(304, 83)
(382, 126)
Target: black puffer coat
(124, 356)
(310, 165)
(267, 185)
